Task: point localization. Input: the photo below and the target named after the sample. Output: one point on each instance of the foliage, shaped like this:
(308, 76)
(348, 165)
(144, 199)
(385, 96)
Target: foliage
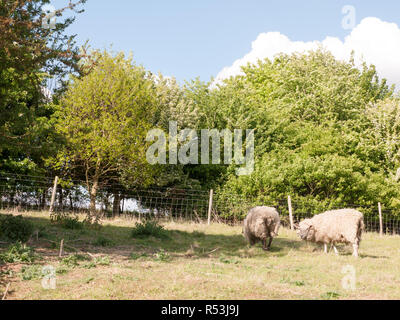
(72, 261)
(15, 228)
(66, 221)
(102, 261)
(315, 136)
(104, 117)
(103, 242)
(31, 272)
(32, 60)
(18, 252)
(136, 256)
(330, 295)
(149, 228)
(326, 131)
(162, 256)
(381, 139)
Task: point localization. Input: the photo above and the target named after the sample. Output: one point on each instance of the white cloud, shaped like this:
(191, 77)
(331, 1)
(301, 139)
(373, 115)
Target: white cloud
(373, 41)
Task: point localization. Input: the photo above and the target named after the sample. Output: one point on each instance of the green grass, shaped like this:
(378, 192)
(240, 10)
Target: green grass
(196, 261)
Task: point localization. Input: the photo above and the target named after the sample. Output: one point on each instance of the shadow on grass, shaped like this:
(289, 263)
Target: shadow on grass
(288, 243)
(363, 255)
(117, 241)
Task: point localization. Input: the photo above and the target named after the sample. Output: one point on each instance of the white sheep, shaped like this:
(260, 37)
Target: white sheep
(261, 223)
(334, 226)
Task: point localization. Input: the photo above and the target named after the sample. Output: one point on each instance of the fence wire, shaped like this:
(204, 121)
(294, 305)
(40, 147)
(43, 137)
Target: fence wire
(19, 193)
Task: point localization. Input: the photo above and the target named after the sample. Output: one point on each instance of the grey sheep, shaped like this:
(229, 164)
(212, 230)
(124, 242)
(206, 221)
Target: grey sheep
(261, 223)
(334, 226)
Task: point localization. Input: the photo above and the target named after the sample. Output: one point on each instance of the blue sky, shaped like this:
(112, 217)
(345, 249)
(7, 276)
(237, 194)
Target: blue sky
(190, 38)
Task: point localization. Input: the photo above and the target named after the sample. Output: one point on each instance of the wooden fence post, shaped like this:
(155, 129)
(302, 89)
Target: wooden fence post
(53, 195)
(210, 201)
(290, 213)
(6, 291)
(61, 248)
(380, 220)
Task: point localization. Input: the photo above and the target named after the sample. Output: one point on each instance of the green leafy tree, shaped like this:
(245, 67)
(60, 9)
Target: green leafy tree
(104, 117)
(382, 137)
(309, 112)
(29, 56)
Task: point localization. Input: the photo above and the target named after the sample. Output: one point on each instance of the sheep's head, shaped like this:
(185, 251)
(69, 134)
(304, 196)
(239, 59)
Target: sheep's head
(274, 232)
(305, 229)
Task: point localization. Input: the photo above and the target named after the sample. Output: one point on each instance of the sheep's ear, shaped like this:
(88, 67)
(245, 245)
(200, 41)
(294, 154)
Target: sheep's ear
(311, 228)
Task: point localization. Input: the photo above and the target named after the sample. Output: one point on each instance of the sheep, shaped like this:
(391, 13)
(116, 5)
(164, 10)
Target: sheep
(261, 223)
(334, 226)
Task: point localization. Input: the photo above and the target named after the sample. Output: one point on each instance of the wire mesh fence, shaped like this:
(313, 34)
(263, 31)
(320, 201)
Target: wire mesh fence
(19, 193)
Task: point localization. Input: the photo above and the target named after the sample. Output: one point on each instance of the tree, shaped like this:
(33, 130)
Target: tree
(309, 115)
(105, 117)
(30, 55)
(382, 138)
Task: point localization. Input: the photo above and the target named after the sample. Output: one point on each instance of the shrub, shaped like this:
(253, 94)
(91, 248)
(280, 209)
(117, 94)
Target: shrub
(135, 256)
(89, 265)
(18, 252)
(227, 260)
(72, 260)
(32, 272)
(330, 295)
(66, 221)
(103, 242)
(62, 269)
(72, 223)
(102, 261)
(162, 256)
(198, 234)
(15, 228)
(149, 228)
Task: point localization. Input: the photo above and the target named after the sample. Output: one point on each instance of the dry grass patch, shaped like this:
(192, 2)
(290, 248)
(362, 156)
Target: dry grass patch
(198, 261)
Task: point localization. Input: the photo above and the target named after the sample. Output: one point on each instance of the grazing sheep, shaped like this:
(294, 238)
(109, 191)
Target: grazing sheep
(334, 226)
(261, 223)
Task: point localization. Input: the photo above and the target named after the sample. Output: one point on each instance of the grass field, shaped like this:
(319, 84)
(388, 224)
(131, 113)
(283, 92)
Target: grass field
(197, 261)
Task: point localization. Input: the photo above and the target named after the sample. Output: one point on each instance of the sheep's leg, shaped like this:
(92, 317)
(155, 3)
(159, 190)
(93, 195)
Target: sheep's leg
(334, 248)
(355, 250)
(325, 248)
(269, 243)
(265, 247)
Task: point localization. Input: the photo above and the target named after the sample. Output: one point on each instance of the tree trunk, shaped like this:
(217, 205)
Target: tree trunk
(43, 199)
(71, 202)
(116, 204)
(93, 194)
(60, 197)
(106, 203)
(12, 196)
